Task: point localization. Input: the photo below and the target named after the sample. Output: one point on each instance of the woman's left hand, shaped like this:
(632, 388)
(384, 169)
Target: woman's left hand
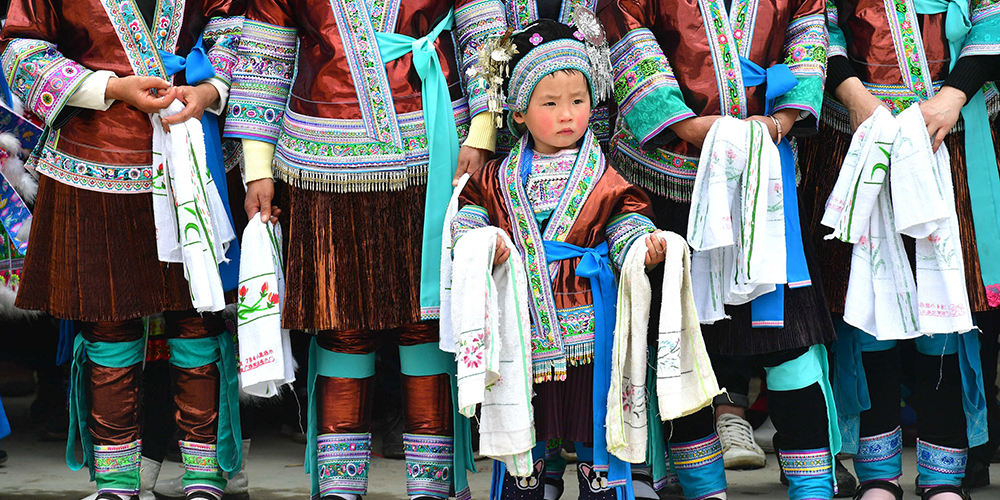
(941, 113)
(195, 99)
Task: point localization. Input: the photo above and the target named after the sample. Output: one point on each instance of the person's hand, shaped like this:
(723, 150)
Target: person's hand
(785, 116)
(145, 93)
(694, 129)
(259, 195)
(656, 249)
(859, 101)
(501, 254)
(941, 113)
(195, 99)
(470, 159)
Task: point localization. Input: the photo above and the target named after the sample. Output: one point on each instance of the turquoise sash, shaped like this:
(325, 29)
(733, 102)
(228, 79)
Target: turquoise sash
(109, 354)
(442, 146)
(192, 353)
(980, 152)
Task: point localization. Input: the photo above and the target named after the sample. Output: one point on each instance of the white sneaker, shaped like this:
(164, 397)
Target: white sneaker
(739, 451)
(764, 436)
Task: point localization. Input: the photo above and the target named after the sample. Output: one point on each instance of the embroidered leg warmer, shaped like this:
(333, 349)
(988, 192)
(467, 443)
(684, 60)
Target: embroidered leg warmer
(808, 473)
(343, 463)
(699, 467)
(940, 465)
(201, 469)
(428, 465)
(116, 468)
(555, 464)
(880, 457)
(108, 365)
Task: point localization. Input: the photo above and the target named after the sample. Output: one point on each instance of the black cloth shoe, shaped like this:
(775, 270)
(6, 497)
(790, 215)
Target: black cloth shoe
(846, 483)
(977, 475)
(893, 488)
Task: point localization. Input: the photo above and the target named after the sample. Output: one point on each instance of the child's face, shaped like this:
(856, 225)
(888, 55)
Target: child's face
(558, 112)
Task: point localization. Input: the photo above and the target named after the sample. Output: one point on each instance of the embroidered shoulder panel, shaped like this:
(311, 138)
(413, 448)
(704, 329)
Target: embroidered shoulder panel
(261, 81)
(41, 77)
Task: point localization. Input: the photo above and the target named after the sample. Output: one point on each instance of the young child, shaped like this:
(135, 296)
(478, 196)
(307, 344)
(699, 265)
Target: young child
(555, 193)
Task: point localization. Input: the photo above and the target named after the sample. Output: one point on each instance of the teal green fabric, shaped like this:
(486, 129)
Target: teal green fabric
(192, 353)
(328, 364)
(810, 368)
(807, 94)
(442, 146)
(656, 456)
(838, 42)
(109, 354)
(423, 360)
(651, 115)
(980, 152)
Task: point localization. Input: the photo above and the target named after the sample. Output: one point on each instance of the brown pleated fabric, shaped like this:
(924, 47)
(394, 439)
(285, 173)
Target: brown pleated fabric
(353, 259)
(196, 390)
(113, 393)
(92, 257)
(820, 158)
(565, 409)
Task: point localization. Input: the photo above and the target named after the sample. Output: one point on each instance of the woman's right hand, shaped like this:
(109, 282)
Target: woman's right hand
(146, 93)
(259, 195)
(694, 129)
(859, 101)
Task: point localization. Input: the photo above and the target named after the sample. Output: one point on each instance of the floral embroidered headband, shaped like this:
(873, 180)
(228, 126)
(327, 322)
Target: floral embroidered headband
(543, 48)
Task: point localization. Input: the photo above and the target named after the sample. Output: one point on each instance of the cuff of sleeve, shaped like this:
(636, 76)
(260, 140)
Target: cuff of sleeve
(482, 133)
(838, 69)
(257, 158)
(220, 106)
(91, 92)
(970, 74)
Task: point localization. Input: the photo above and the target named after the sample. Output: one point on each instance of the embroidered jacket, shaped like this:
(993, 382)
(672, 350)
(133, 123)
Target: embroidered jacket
(341, 119)
(900, 54)
(596, 205)
(51, 49)
(478, 20)
(680, 59)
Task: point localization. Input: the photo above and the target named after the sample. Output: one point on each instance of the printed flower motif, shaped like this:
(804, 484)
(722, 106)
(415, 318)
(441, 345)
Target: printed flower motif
(535, 39)
(263, 288)
(243, 291)
(273, 299)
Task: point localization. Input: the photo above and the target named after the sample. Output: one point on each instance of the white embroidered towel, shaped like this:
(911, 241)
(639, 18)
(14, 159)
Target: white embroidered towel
(737, 213)
(926, 211)
(490, 313)
(685, 379)
(446, 339)
(191, 223)
(865, 168)
(627, 422)
(266, 361)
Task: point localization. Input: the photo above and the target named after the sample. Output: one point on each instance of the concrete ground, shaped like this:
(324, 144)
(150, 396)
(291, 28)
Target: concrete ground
(37, 470)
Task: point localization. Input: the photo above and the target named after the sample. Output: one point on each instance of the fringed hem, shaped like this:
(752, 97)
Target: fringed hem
(555, 369)
(660, 184)
(339, 181)
(836, 115)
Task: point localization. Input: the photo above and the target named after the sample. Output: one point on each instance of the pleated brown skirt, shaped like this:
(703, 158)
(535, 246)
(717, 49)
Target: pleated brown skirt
(820, 158)
(353, 259)
(92, 257)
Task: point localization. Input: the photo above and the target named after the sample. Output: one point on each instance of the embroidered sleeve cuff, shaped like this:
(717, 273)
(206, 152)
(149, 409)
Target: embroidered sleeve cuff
(622, 231)
(41, 77)
(219, 107)
(806, 96)
(90, 94)
(257, 156)
(482, 133)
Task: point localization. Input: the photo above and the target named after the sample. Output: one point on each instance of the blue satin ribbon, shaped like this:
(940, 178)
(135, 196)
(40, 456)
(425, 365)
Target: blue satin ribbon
(442, 145)
(594, 264)
(768, 311)
(197, 68)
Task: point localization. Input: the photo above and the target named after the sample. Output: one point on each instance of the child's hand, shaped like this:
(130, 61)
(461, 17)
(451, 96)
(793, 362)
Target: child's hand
(501, 254)
(656, 249)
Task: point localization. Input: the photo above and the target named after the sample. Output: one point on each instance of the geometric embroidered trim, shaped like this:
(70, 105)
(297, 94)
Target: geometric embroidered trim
(428, 464)
(343, 463)
(806, 462)
(199, 457)
(696, 454)
(880, 447)
(941, 459)
(117, 458)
